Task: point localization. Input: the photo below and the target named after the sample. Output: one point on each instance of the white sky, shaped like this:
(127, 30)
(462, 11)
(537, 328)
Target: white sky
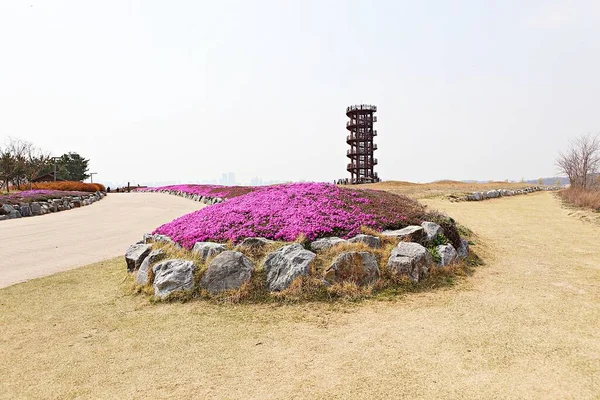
(186, 90)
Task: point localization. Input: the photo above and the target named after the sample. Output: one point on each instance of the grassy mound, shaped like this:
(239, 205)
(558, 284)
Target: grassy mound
(288, 212)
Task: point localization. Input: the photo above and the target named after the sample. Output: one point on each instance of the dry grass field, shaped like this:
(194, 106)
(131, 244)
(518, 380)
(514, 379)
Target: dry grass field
(525, 325)
(440, 188)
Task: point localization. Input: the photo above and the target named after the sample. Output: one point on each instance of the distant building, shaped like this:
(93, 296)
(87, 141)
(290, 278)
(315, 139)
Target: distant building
(228, 179)
(49, 177)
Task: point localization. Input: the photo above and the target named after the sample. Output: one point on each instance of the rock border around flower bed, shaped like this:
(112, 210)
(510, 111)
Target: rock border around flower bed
(494, 194)
(35, 208)
(208, 200)
(413, 258)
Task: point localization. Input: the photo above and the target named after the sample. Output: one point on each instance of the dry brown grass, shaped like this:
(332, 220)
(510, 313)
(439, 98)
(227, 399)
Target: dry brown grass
(582, 198)
(439, 188)
(523, 326)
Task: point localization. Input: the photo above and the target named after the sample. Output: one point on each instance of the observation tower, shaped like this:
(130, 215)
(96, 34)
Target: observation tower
(360, 139)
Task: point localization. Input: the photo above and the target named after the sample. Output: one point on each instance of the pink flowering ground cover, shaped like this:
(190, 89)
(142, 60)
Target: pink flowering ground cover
(29, 196)
(223, 192)
(284, 212)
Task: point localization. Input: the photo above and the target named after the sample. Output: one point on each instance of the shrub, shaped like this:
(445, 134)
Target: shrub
(70, 186)
(582, 198)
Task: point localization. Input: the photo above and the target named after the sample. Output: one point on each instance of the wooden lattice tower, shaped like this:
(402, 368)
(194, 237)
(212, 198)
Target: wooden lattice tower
(360, 139)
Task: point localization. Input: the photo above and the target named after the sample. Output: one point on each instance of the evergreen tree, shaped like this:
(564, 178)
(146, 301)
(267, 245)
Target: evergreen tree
(72, 167)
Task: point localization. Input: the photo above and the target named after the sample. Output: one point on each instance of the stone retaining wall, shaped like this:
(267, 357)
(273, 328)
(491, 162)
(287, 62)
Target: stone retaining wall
(11, 211)
(493, 194)
(418, 251)
(195, 197)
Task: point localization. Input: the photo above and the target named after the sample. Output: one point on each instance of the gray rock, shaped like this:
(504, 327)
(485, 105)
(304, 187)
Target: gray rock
(326, 243)
(14, 214)
(463, 250)
(7, 209)
(369, 240)
(36, 208)
(173, 275)
(255, 242)
(410, 259)
(142, 277)
(492, 194)
(432, 230)
(154, 238)
(208, 249)
(229, 270)
(447, 254)
(412, 233)
(353, 266)
(286, 264)
(135, 255)
(25, 210)
(3, 217)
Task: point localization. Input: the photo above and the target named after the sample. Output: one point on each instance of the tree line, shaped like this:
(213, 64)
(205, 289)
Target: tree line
(21, 162)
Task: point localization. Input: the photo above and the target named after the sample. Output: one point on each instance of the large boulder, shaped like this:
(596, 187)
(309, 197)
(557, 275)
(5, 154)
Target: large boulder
(369, 240)
(142, 276)
(173, 275)
(14, 214)
(227, 271)
(359, 267)
(25, 210)
(286, 264)
(432, 231)
(412, 233)
(326, 243)
(135, 255)
(492, 194)
(7, 209)
(255, 242)
(36, 208)
(410, 259)
(447, 254)
(208, 249)
(463, 250)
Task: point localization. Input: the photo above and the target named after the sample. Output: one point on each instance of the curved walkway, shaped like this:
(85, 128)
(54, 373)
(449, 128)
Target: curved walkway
(35, 247)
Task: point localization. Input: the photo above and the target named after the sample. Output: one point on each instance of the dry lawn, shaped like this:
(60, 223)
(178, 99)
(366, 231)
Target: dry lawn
(526, 325)
(441, 188)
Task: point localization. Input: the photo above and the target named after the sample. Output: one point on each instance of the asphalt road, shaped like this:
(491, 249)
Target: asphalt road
(34, 247)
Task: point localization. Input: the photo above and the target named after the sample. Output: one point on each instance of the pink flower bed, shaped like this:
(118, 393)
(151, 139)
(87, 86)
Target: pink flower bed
(29, 196)
(285, 212)
(223, 192)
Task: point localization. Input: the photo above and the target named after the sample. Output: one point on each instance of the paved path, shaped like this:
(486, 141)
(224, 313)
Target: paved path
(39, 246)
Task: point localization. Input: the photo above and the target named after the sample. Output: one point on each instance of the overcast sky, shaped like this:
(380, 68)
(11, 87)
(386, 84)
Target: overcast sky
(186, 90)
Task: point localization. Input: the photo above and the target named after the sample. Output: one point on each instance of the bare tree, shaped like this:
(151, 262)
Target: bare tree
(13, 159)
(581, 161)
(36, 162)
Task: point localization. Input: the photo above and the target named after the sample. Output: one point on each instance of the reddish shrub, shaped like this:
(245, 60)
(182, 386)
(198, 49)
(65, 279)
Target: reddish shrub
(70, 186)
